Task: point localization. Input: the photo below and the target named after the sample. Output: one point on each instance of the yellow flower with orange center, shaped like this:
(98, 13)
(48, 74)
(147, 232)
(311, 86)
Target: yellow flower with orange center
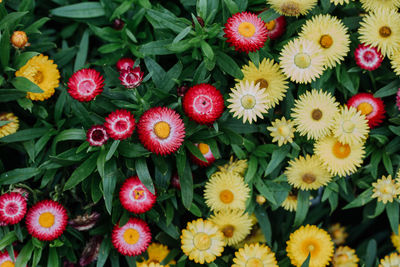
(345, 257)
(254, 255)
(11, 126)
(385, 189)
(282, 131)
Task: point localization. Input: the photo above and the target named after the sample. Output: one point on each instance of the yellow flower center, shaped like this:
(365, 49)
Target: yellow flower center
(248, 101)
(348, 126)
(386, 189)
(270, 25)
(254, 262)
(302, 60)
(326, 41)
(246, 29)
(343, 258)
(138, 194)
(385, 31)
(162, 129)
(228, 230)
(310, 248)
(202, 241)
(46, 219)
(308, 178)
(263, 83)
(226, 196)
(290, 8)
(38, 77)
(131, 236)
(340, 150)
(204, 148)
(7, 264)
(283, 130)
(365, 108)
(316, 114)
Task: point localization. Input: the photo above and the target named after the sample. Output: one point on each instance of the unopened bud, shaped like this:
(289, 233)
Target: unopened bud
(19, 39)
(260, 199)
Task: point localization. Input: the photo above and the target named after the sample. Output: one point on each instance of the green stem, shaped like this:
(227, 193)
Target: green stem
(372, 80)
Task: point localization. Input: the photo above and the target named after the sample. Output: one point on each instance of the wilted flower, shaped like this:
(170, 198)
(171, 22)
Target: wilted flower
(85, 222)
(91, 251)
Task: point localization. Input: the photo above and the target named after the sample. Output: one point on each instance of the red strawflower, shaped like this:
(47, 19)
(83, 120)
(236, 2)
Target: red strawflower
(276, 27)
(368, 57)
(135, 197)
(203, 103)
(372, 107)
(46, 220)
(125, 64)
(120, 124)
(131, 78)
(85, 84)
(161, 130)
(6, 260)
(131, 239)
(207, 154)
(97, 135)
(12, 208)
(246, 32)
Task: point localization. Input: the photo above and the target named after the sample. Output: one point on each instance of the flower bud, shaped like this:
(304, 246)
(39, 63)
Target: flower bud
(182, 90)
(19, 39)
(131, 78)
(118, 24)
(85, 222)
(125, 64)
(260, 199)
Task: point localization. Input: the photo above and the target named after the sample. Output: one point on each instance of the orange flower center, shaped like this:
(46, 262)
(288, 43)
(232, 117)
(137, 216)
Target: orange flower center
(263, 83)
(228, 230)
(308, 178)
(341, 151)
(162, 129)
(283, 130)
(316, 114)
(38, 77)
(131, 236)
(385, 31)
(138, 194)
(254, 262)
(7, 264)
(226, 196)
(46, 219)
(326, 41)
(204, 148)
(246, 29)
(365, 108)
(202, 241)
(270, 25)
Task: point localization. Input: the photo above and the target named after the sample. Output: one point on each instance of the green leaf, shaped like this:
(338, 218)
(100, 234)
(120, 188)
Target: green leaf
(104, 251)
(33, 28)
(7, 239)
(70, 134)
(186, 182)
(144, 175)
(370, 255)
(228, 65)
(82, 172)
(25, 103)
(232, 6)
(251, 170)
(10, 94)
(264, 223)
(387, 162)
(201, 8)
(268, 15)
(195, 151)
(277, 157)
(109, 183)
(361, 200)
(112, 150)
(109, 48)
(25, 254)
(11, 19)
(392, 211)
(53, 258)
(306, 263)
(130, 150)
(25, 85)
(182, 34)
(24, 135)
(5, 47)
(101, 160)
(207, 50)
(18, 175)
(82, 10)
(23, 58)
(303, 203)
(83, 51)
(121, 9)
(264, 190)
(389, 89)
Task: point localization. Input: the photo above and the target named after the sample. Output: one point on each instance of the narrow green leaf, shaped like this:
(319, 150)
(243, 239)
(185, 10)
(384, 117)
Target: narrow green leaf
(201, 8)
(18, 175)
(370, 255)
(82, 172)
(112, 150)
(101, 160)
(195, 151)
(251, 170)
(25, 85)
(82, 10)
(121, 9)
(25, 254)
(277, 157)
(109, 183)
(130, 150)
(144, 175)
(186, 182)
(24, 135)
(10, 19)
(264, 223)
(264, 190)
(7, 239)
(207, 50)
(83, 51)
(33, 28)
(5, 46)
(306, 263)
(392, 211)
(228, 65)
(104, 251)
(303, 203)
(70, 134)
(389, 89)
(182, 34)
(361, 200)
(269, 14)
(53, 258)
(232, 6)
